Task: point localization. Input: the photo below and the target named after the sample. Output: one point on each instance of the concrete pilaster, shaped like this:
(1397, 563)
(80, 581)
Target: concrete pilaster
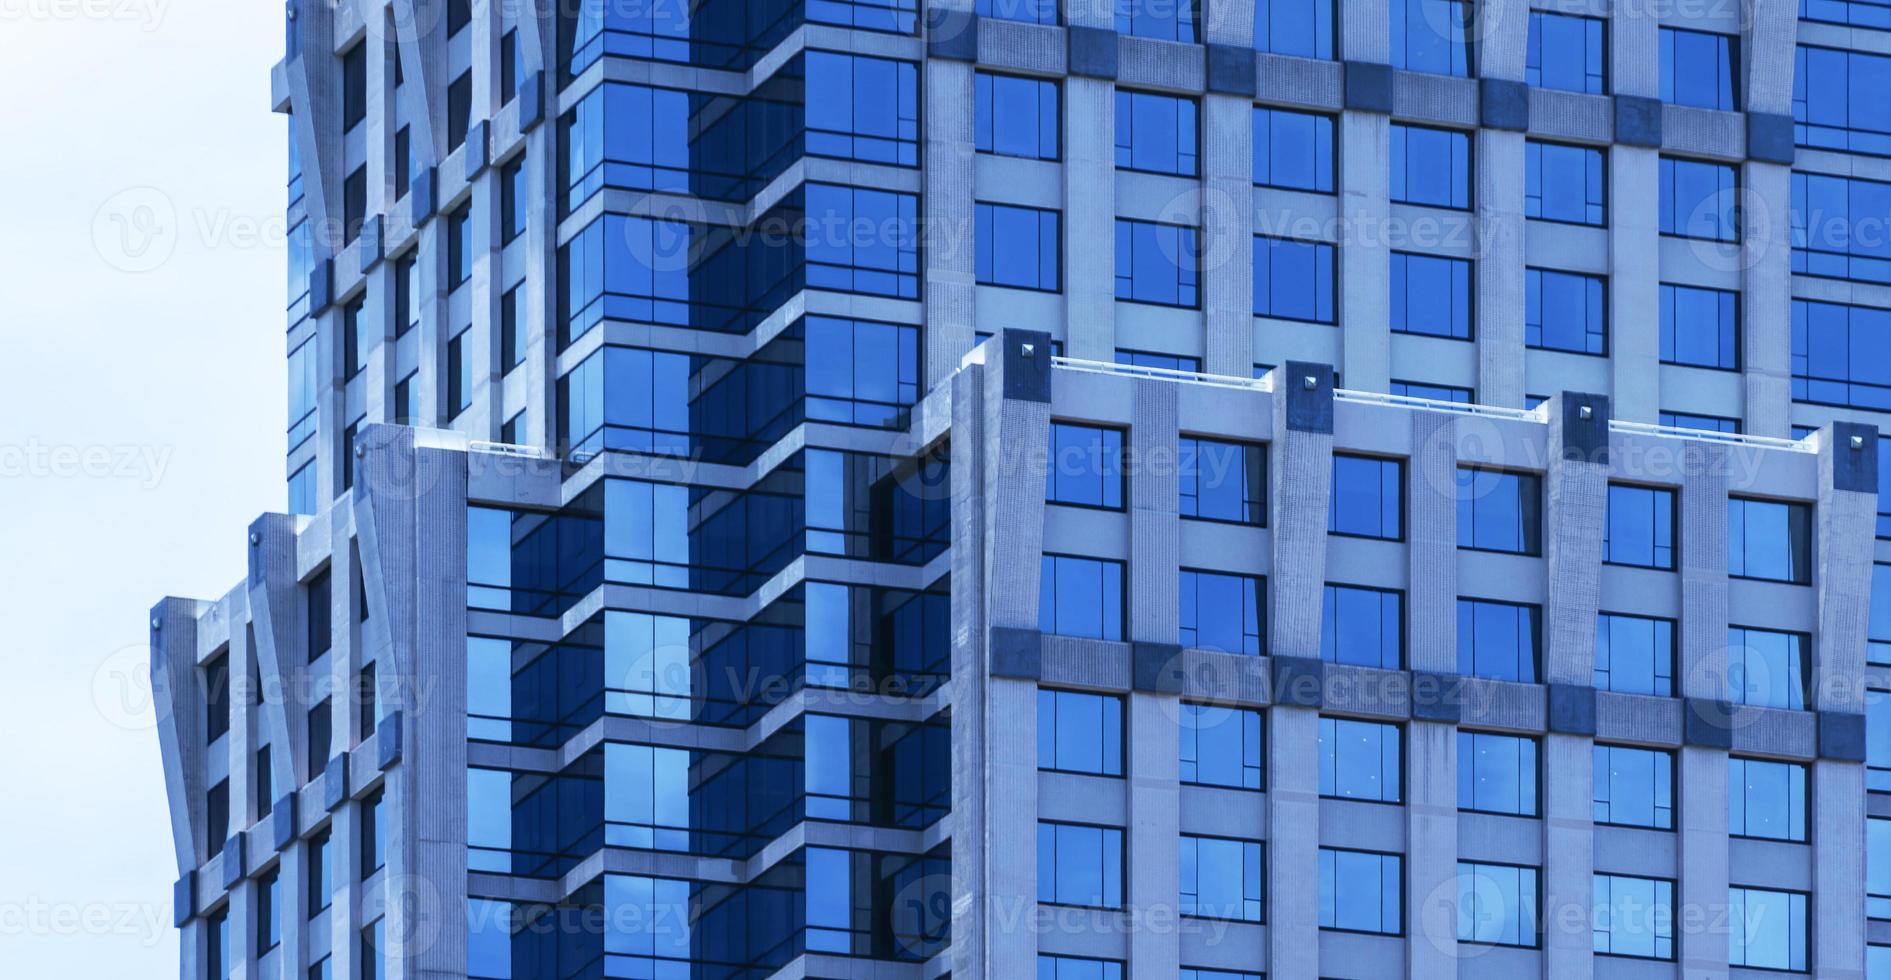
(1701, 804)
(1576, 494)
(1228, 231)
(1293, 843)
(1365, 262)
(1431, 850)
(1090, 218)
(1569, 854)
(1765, 256)
(1634, 297)
(1431, 534)
(1499, 268)
(950, 289)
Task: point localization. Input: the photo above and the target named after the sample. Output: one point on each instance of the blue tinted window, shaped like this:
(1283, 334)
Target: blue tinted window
(1640, 528)
(1879, 629)
(1567, 53)
(1223, 612)
(1154, 361)
(1837, 227)
(1841, 355)
(1155, 133)
(302, 490)
(1634, 787)
(1431, 295)
(1432, 36)
(1767, 668)
(1564, 183)
(1221, 879)
(1302, 28)
(1498, 640)
(1878, 868)
(1497, 773)
(1293, 150)
(1769, 931)
(515, 194)
(1189, 973)
(1766, 799)
(1497, 904)
(860, 372)
(1225, 481)
(1438, 393)
(1705, 423)
(303, 386)
(1361, 891)
(1634, 917)
(862, 108)
(1071, 967)
(1363, 627)
(1698, 69)
(1368, 497)
(1565, 311)
(1079, 732)
(648, 929)
(1086, 466)
(1698, 200)
(321, 873)
(1157, 263)
(1360, 760)
(1838, 100)
(489, 820)
(1018, 247)
(268, 913)
(459, 263)
(1431, 166)
(1634, 655)
(1878, 740)
(883, 260)
(1171, 21)
(489, 925)
(1222, 746)
(647, 796)
(1858, 13)
(1079, 864)
(1769, 539)
(1500, 511)
(1016, 117)
(1081, 597)
(1700, 327)
(1294, 280)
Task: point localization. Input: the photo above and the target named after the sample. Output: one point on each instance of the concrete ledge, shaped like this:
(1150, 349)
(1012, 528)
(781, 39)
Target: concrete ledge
(1368, 87)
(1770, 138)
(1298, 682)
(1572, 709)
(373, 243)
(1038, 48)
(531, 100)
(1437, 697)
(423, 197)
(1841, 736)
(1854, 469)
(1572, 116)
(1016, 653)
(321, 286)
(1707, 723)
(1156, 668)
(477, 155)
(1092, 52)
(282, 822)
(1231, 70)
(184, 899)
(335, 783)
(951, 34)
(232, 861)
(1503, 104)
(1638, 121)
(387, 741)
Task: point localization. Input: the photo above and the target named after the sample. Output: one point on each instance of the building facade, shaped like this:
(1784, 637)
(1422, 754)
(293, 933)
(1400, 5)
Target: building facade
(736, 531)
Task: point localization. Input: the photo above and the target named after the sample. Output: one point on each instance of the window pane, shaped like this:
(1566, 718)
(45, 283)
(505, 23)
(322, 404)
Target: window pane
(1431, 166)
(1640, 527)
(1368, 497)
(1360, 760)
(1431, 295)
(1564, 183)
(1079, 732)
(1363, 627)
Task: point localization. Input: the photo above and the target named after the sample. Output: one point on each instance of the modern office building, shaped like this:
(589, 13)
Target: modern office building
(738, 530)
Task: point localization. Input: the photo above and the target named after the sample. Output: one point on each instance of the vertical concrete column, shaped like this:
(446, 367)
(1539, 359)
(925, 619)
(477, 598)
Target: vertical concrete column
(1499, 270)
(1635, 50)
(1154, 792)
(1634, 294)
(1300, 475)
(1568, 854)
(949, 242)
(1846, 515)
(1293, 843)
(1090, 218)
(1001, 415)
(1765, 257)
(410, 516)
(1502, 34)
(1431, 806)
(1431, 849)
(1365, 258)
(1769, 34)
(1228, 230)
(541, 273)
(1701, 769)
(1576, 492)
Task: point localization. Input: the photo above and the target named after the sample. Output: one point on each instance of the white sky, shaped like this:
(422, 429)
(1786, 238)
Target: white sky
(153, 116)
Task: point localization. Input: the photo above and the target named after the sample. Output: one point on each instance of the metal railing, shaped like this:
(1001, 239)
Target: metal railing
(1263, 383)
(1709, 435)
(1437, 405)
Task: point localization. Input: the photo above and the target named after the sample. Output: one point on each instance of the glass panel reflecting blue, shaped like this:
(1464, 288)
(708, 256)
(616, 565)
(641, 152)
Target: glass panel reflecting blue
(1223, 612)
(1633, 787)
(1360, 891)
(1156, 133)
(1565, 311)
(1500, 511)
(1634, 655)
(1431, 295)
(1766, 799)
(1698, 69)
(1841, 355)
(1079, 732)
(1294, 280)
(1360, 760)
(1157, 263)
(1567, 52)
(1431, 166)
(1769, 539)
(1497, 773)
(1640, 527)
(1020, 248)
(1221, 879)
(1634, 916)
(1227, 481)
(1081, 597)
(1293, 150)
(1222, 746)
(1363, 627)
(1079, 864)
(1769, 931)
(1432, 36)
(1499, 640)
(1016, 117)
(1700, 327)
(1497, 904)
(1835, 227)
(1368, 497)
(1838, 101)
(1565, 183)
(1699, 200)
